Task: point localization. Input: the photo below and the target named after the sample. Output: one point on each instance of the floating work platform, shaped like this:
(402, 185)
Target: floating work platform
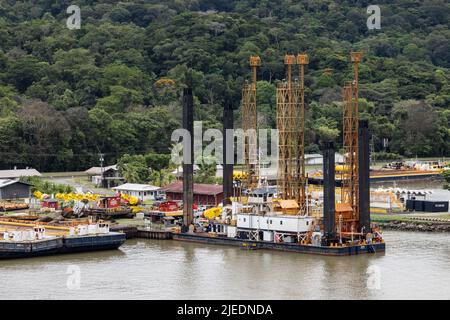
(142, 232)
(129, 231)
(112, 240)
(25, 249)
(381, 175)
(110, 213)
(346, 250)
(154, 234)
(384, 176)
(23, 240)
(57, 245)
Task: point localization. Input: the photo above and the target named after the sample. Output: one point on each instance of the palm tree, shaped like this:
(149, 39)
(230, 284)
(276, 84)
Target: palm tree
(161, 178)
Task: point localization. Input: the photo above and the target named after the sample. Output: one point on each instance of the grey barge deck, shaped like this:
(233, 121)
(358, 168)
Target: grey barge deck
(22, 249)
(289, 247)
(60, 245)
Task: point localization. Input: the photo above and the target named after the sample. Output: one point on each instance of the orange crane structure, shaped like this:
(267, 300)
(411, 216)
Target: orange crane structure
(286, 132)
(249, 125)
(348, 209)
(291, 130)
(302, 60)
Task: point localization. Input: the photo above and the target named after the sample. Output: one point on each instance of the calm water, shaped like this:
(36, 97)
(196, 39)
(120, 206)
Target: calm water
(416, 265)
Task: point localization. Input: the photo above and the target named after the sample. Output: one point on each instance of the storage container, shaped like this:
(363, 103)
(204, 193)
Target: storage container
(436, 206)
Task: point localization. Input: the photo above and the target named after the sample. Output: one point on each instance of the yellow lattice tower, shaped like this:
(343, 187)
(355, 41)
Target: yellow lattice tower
(287, 132)
(291, 129)
(356, 58)
(249, 125)
(349, 147)
(350, 174)
(302, 60)
(282, 95)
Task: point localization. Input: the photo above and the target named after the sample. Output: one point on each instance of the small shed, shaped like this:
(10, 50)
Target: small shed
(14, 189)
(289, 206)
(204, 194)
(344, 209)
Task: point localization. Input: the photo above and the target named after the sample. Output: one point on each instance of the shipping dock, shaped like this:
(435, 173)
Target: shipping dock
(377, 175)
(380, 175)
(284, 218)
(21, 240)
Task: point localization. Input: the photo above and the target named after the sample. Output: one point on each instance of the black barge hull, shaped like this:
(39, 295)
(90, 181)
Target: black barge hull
(12, 250)
(93, 243)
(29, 249)
(288, 247)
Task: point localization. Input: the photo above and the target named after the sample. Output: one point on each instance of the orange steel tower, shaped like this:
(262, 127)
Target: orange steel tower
(350, 176)
(356, 58)
(249, 125)
(286, 124)
(350, 146)
(302, 60)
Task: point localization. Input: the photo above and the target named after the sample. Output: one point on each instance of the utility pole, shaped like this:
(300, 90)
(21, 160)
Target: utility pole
(102, 159)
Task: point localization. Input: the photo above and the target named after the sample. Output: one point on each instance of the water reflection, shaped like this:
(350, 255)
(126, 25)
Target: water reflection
(415, 266)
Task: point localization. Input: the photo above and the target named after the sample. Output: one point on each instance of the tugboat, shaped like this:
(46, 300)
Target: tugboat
(110, 207)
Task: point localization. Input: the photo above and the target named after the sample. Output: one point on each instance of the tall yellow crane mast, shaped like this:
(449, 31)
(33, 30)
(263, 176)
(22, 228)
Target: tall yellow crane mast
(249, 125)
(286, 124)
(350, 147)
(302, 60)
(356, 58)
(350, 174)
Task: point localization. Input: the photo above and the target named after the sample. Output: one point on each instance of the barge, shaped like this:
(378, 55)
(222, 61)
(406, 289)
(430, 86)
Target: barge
(25, 249)
(343, 250)
(380, 176)
(286, 218)
(33, 242)
(402, 175)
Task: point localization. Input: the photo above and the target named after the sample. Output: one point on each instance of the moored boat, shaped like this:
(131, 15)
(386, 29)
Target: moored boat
(34, 241)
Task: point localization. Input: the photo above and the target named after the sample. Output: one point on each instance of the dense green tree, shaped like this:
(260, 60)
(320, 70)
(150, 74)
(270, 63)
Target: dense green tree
(446, 175)
(134, 168)
(206, 173)
(114, 86)
(160, 178)
(157, 161)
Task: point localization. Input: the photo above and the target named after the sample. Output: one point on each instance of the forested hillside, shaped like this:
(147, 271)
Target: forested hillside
(67, 95)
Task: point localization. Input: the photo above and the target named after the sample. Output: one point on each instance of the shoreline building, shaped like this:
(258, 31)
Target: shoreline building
(204, 194)
(111, 176)
(142, 191)
(19, 173)
(14, 189)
